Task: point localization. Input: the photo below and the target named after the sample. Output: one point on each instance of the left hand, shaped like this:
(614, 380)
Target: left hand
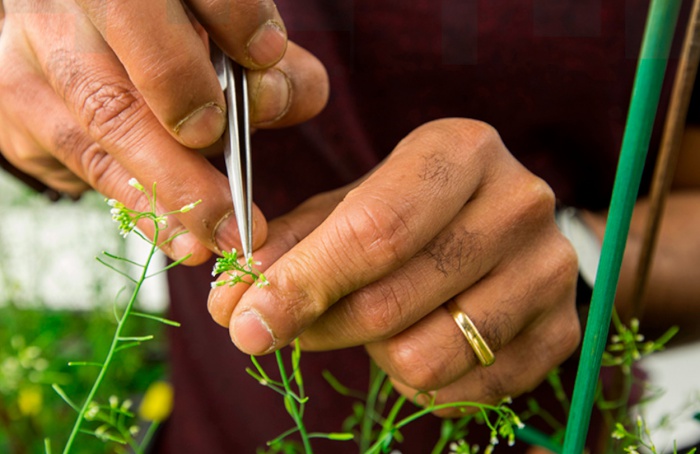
(450, 214)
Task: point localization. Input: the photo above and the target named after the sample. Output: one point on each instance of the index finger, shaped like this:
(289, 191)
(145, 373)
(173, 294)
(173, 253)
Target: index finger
(250, 31)
(101, 98)
(377, 227)
(168, 62)
(167, 58)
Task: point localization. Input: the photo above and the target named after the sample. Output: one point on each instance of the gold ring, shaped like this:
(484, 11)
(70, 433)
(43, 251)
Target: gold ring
(477, 343)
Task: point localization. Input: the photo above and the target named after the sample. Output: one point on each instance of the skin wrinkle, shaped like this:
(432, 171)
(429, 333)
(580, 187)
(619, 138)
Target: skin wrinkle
(374, 324)
(62, 66)
(94, 162)
(386, 228)
(104, 103)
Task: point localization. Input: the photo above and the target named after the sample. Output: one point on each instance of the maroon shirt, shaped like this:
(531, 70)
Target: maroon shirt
(552, 76)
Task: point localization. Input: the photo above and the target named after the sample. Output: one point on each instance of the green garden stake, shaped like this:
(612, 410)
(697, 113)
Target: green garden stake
(658, 35)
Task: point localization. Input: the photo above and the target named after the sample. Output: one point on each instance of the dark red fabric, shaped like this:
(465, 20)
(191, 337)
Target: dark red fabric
(553, 76)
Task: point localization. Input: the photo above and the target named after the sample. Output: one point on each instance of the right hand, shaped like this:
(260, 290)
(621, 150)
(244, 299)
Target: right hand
(449, 215)
(93, 93)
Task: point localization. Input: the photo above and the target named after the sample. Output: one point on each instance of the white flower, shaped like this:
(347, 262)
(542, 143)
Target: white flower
(518, 422)
(187, 207)
(92, 411)
(126, 405)
(134, 183)
(101, 432)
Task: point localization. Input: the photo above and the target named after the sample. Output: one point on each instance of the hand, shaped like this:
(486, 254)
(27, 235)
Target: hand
(450, 214)
(94, 93)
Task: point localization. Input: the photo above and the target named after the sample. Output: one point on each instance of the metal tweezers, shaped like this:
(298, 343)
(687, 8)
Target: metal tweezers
(232, 78)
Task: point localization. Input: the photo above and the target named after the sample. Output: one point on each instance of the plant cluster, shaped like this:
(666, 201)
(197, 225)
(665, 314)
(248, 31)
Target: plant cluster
(113, 420)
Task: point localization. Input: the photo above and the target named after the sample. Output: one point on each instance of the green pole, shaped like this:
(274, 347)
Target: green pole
(658, 34)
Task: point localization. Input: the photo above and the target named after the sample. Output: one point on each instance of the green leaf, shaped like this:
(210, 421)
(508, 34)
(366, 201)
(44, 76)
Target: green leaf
(122, 259)
(165, 321)
(166, 268)
(335, 384)
(135, 338)
(337, 436)
(84, 363)
(127, 345)
(65, 397)
(116, 270)
(667, 336)
(105, 436)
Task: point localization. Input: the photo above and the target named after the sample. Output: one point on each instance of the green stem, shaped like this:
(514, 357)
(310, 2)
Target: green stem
(425, 411)
(292, 405)
(534, 437)
(368, 421)
(147, 437)
(113, 347)
(651, 67)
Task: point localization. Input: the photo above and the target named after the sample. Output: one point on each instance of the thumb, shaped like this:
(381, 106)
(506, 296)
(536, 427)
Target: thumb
(282, 235)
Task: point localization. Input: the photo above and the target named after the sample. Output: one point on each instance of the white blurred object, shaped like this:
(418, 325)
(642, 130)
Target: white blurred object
(676, 372)
(49, 249)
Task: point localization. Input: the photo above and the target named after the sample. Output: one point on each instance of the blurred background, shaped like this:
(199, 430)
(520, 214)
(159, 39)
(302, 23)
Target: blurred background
(56, 306)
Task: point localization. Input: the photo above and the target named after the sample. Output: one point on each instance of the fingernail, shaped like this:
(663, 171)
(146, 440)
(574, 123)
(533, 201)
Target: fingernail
(202, 127)
(225, 234)
(423, 399)
(267, 45)
(251, 334)
(271, 96)
(214, 306)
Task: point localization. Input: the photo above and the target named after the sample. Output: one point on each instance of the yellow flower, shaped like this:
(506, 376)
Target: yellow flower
(29, 400)
(157, 403)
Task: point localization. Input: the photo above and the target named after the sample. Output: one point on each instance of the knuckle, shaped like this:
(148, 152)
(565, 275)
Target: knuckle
(98, 166)
(381, 308)
(108, 110)
(306, 297)
(173, 72)
(563, 263)
(85, 155)
(568, 333)
(379, 232)
(106, 105)
(162, 71)
(534, 201)
(564, 336)
(412, 367)
(460, 133)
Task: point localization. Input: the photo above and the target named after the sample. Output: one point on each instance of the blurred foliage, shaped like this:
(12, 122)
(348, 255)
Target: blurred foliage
(37, 346)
